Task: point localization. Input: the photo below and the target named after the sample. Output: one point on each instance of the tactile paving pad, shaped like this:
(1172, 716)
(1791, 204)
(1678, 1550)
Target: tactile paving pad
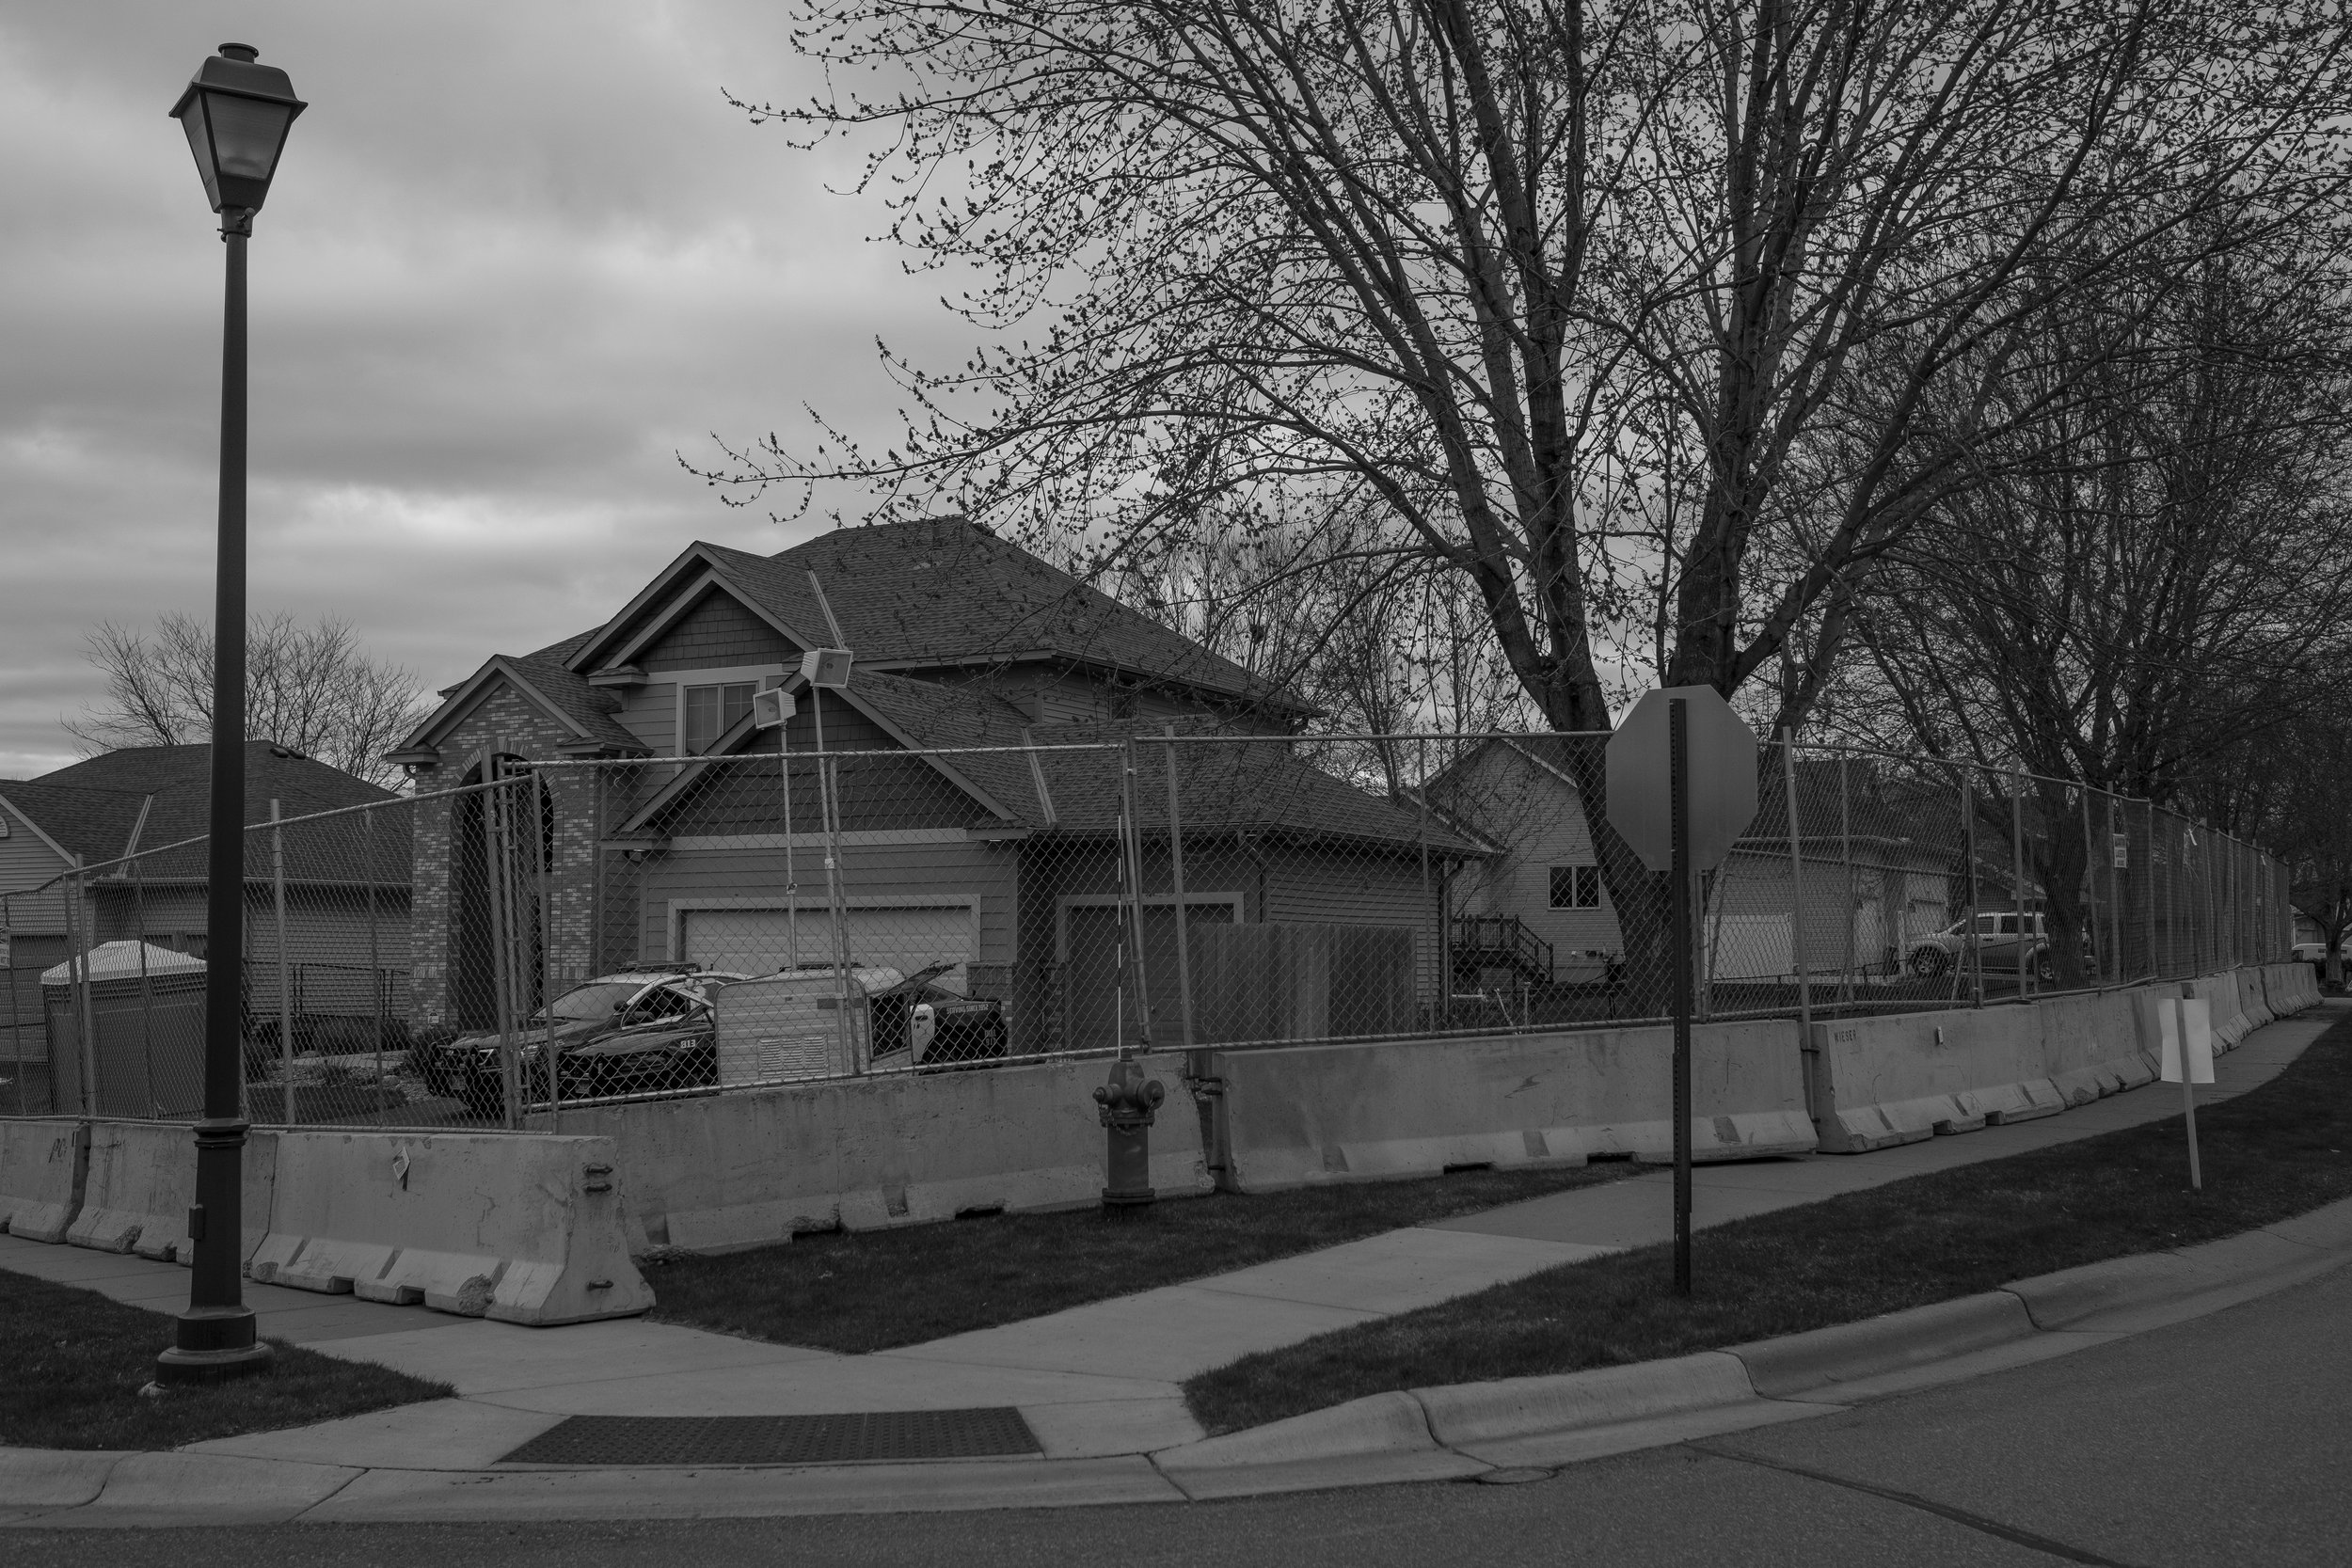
(990, 1432)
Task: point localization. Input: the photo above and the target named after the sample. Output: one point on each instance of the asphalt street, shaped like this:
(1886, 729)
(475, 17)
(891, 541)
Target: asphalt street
(2224, 1440)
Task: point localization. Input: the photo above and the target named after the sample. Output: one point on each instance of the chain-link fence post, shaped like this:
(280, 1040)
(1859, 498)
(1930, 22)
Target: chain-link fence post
(829, 814)
(542, 868)
(1795, 894)
(1176, 886)
(1850, 955)
(1446, 875)
(285, 992)
(370, 869)
(147, 988)
(1427, 1011)
(1975, 945)
(1134, 849)
(2090, 893)
(2017, 876)
(16, 1023)
(502, 927)
(77, 923)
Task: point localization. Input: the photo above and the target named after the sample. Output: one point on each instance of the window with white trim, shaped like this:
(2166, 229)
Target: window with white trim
(711, 711)
(1575, 887)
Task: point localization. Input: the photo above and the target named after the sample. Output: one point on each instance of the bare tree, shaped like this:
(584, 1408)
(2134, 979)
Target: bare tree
(1435, 254)
(310, 689)
(2310, 828)
(1381, 642)
(2142, 585)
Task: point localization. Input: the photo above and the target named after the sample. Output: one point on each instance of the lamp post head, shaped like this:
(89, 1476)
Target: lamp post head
(236, 114)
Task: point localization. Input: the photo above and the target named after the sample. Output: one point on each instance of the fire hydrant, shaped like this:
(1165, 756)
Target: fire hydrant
(1129, 1102)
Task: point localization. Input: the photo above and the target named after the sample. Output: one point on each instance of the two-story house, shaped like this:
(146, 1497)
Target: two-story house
(978, 757)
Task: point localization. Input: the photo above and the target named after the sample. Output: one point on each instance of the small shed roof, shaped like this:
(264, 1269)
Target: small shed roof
(120, 960)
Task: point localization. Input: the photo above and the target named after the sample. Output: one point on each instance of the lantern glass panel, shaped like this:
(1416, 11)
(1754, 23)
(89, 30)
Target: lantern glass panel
(192, 120)
(247, 134)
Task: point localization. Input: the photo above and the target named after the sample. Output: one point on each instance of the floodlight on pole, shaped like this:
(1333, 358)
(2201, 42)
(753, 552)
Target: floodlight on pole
(772, 708)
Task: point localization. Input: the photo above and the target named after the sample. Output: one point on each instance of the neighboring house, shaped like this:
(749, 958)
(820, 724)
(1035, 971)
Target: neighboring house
(345, 895)
(1875, 873)
(1000, 862)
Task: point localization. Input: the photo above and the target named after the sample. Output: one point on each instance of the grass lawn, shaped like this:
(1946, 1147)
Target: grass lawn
(2276, 1152)
(874, 1289)
(76, 1361)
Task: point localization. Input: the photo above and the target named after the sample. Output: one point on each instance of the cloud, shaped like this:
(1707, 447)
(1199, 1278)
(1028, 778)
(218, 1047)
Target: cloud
(517, 258)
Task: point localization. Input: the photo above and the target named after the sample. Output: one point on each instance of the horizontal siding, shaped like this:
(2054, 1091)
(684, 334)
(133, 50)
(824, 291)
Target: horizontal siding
(1341, 889)
(1071, 700)
(26, 862)
(1535, 816)
(649, 712)
(877, 794)
(326, 933)
(23, 1028)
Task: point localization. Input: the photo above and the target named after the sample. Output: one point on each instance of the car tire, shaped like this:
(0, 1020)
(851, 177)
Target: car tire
(1929, 962)
(2044, 968)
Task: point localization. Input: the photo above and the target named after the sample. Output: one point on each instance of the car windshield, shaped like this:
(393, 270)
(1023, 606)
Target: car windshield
(592, 1002)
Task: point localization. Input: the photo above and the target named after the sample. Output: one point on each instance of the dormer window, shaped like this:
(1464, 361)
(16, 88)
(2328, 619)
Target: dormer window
(713, 710)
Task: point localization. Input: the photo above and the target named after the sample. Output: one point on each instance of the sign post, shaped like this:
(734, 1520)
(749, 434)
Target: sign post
(1681, 781)
(1678, 768)
(2187, 1027)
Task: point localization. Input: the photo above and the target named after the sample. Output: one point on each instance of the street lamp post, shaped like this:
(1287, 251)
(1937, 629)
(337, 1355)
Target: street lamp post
(236, 114)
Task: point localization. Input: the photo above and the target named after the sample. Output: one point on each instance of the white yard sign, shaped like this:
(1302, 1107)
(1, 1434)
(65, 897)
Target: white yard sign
(2187, 1027)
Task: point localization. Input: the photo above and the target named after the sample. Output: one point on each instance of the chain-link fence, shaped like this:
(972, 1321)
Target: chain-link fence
(109, 966)
(563, 931)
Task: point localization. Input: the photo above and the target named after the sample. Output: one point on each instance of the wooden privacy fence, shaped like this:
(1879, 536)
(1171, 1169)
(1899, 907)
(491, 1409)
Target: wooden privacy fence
(1294, 981)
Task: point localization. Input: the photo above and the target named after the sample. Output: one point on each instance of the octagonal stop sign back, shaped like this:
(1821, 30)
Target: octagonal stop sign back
(1720, 756)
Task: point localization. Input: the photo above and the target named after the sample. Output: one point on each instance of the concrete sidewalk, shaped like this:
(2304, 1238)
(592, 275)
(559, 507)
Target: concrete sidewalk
(1097, 1383)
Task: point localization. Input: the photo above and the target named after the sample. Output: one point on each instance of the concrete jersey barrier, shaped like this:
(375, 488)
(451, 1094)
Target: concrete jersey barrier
(2147, 1002)
(2254, 1002)
(2092, 1045)
(2279, 990)
(2229, 1022)
(521, 1227)
(43, 1164)
(753, 1167)
(1301, 1114)
(2288, 987)
(142, 1183)
(1899, 1078)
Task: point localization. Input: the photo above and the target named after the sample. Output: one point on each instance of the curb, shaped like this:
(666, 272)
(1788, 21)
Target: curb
(1452, 1433)
(1574, 1416)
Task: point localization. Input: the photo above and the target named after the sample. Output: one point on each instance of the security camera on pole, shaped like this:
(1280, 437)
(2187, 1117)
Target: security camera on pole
(1682, 780)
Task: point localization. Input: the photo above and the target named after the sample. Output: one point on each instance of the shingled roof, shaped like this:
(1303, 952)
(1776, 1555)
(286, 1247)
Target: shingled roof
(1228, 784)
(565, 692)
(1853, 804)
(92, 824)
(93, 807)
(946, 592)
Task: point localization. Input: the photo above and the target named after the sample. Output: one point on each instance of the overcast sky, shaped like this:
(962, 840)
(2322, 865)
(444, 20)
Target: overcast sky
(518, 257)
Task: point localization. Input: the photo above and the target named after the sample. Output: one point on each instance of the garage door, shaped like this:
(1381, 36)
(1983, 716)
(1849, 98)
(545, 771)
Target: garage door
(760, 941)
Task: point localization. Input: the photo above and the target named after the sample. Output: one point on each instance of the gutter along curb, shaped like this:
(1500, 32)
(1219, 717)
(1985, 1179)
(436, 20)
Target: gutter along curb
(1560, 1419)
(1457, 1431)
